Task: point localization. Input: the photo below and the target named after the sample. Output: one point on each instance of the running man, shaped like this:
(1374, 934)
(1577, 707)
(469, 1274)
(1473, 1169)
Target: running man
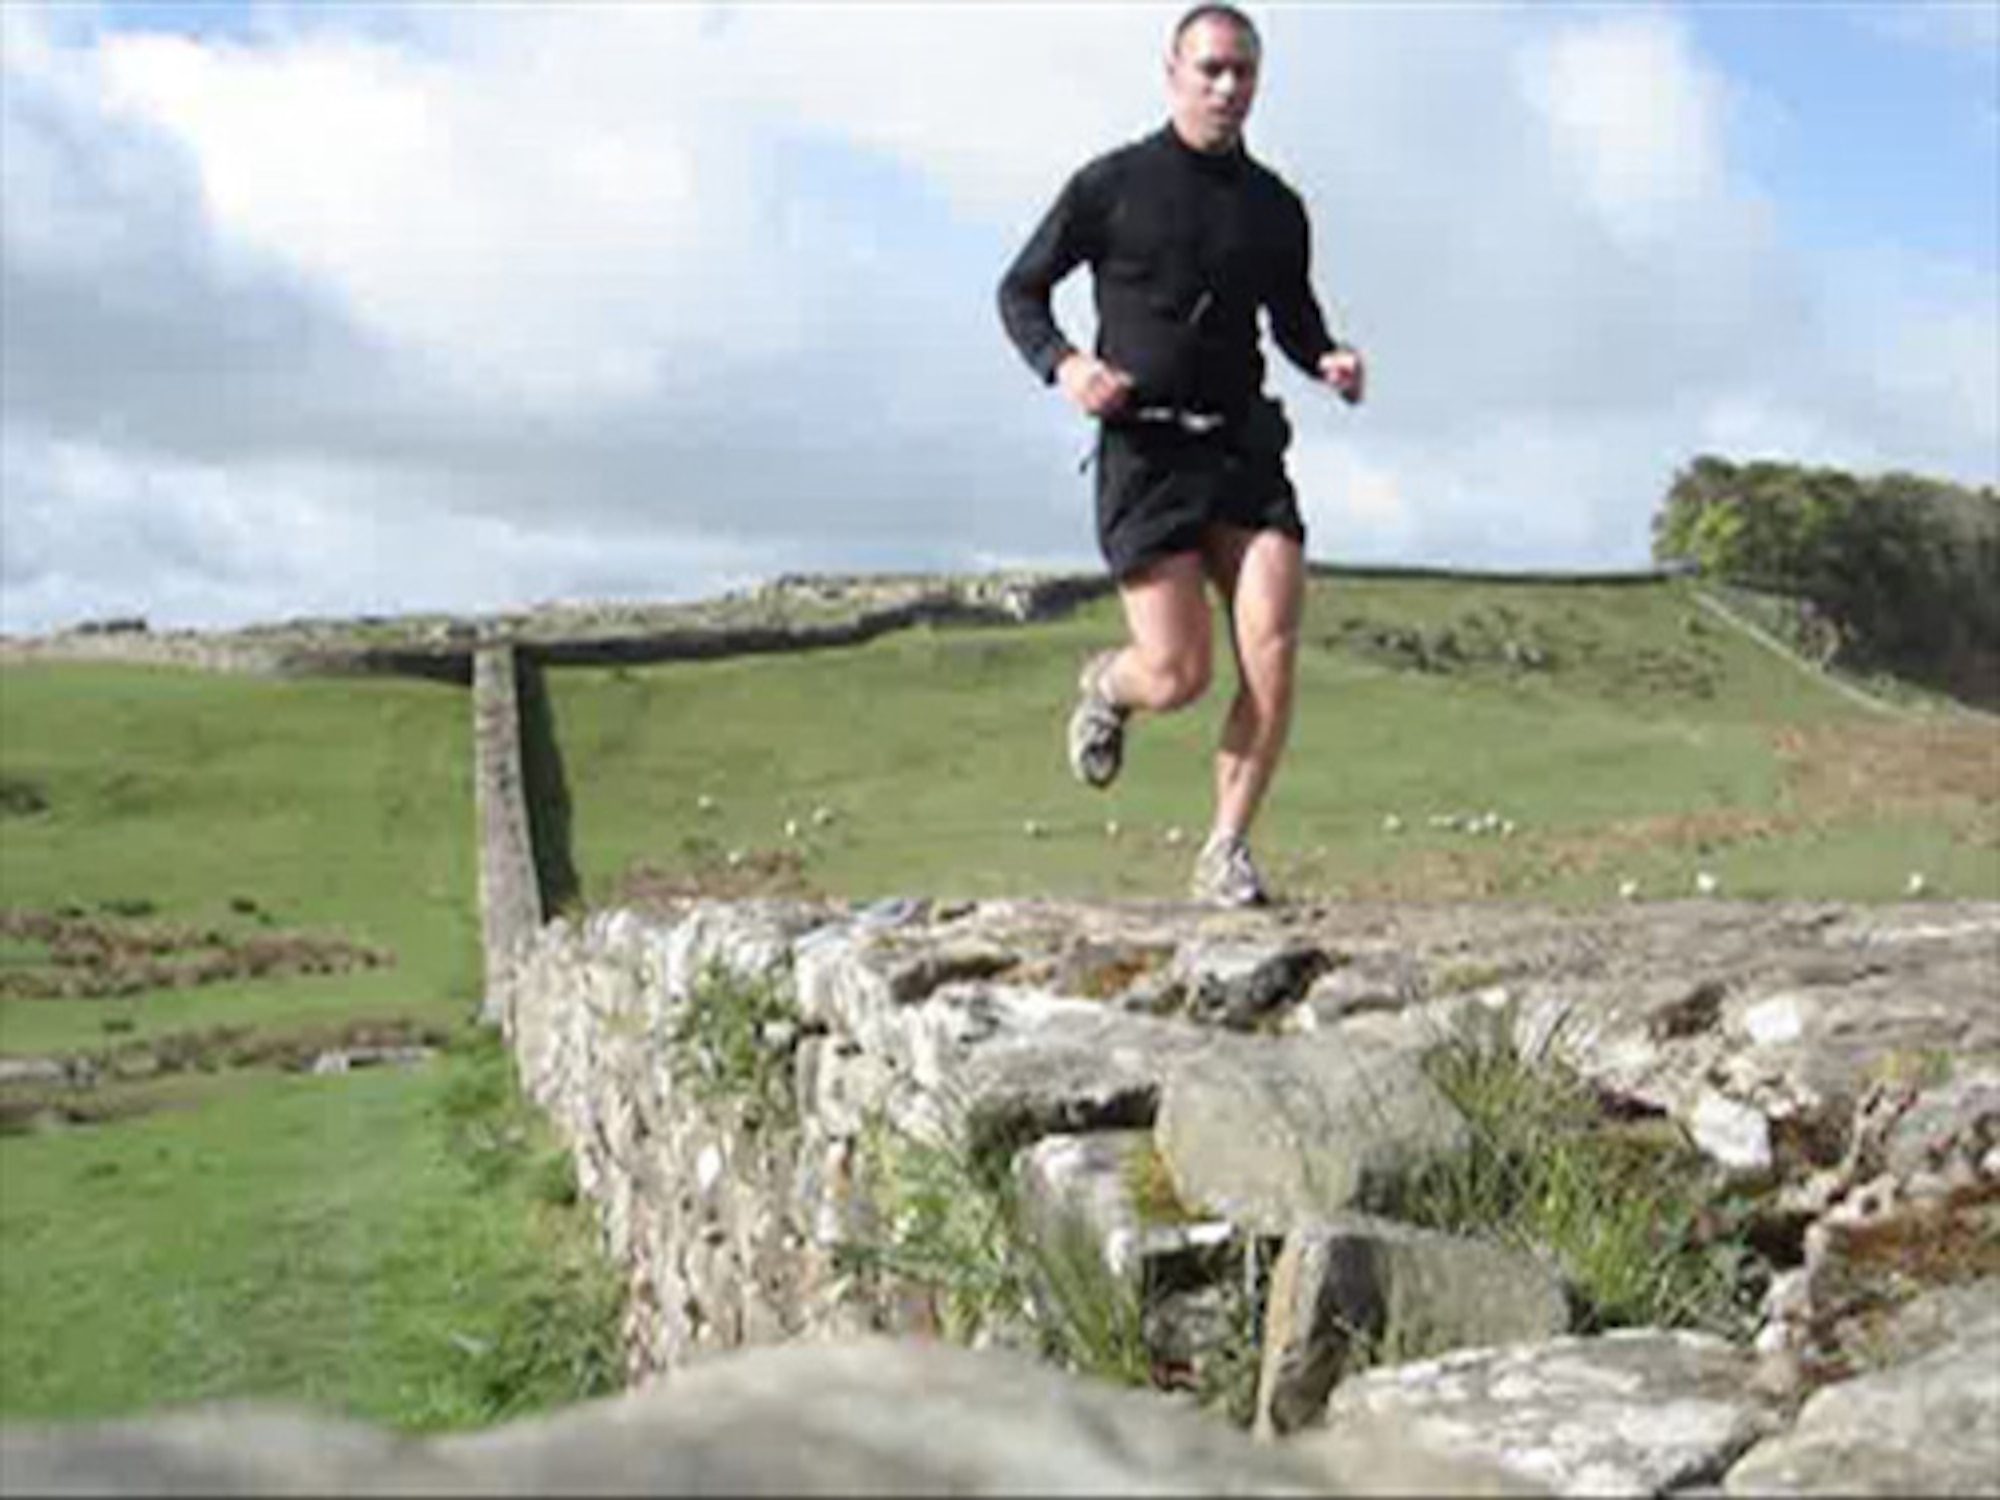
(1188, 238)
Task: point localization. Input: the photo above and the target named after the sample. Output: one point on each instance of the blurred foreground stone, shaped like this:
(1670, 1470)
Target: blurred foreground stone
(869, 1418)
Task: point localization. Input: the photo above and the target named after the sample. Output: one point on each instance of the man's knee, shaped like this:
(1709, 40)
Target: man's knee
(1173, 681)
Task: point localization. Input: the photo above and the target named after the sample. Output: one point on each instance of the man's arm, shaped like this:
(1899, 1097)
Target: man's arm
(1061, 243)
(1056, 248)
(1300, 327)
(1297, 323)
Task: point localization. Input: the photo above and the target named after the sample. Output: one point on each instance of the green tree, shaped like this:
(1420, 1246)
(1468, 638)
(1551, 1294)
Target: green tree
(1903, 568)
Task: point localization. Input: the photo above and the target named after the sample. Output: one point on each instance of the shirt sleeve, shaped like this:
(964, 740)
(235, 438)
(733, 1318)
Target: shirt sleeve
(1297, 323)
(1060, 243)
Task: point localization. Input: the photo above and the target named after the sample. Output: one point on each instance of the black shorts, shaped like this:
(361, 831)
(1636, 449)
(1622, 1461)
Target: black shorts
(1159, 488)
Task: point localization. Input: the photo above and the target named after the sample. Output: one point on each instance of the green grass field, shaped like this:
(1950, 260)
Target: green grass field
(378, 1243)
(395, 1244)
(355, 1243)
(1645, 748)
(336, 807)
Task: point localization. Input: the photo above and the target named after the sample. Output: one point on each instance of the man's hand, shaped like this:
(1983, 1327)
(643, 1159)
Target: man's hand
(1099, 389)
(1345, 371)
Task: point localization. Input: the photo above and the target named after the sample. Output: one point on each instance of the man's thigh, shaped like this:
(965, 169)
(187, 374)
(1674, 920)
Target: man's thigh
(1166, 607)
(1262, 576)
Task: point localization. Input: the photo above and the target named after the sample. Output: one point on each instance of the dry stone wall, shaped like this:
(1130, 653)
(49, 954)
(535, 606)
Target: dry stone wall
(786, 614)
(510, 897)
(1842, 1063)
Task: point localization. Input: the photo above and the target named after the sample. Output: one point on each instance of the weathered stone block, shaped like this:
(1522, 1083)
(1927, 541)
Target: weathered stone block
(1930, 1427)
(1370, 1289)
(1273, 1134)
(1638, 1412)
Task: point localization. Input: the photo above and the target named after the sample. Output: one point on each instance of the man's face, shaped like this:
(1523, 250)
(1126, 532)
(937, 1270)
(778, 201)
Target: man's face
(1212, 79)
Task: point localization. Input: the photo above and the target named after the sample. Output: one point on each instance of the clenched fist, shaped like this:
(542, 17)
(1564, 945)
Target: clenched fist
(1345, 371)
(1099, 389)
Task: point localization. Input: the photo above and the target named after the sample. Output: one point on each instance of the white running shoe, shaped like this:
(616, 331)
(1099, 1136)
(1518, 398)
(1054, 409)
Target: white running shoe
(1096, 727)
(1225, 876)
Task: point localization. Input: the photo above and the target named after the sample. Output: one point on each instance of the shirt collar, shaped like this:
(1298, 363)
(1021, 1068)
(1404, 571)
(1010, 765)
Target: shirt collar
(1221, 162)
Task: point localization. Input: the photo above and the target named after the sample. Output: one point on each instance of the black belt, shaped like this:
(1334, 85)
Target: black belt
(1197, 423)
(1180, 418)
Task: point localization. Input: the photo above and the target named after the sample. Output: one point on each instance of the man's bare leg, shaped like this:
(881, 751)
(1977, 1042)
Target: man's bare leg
(1262, 578)
(1168, 661)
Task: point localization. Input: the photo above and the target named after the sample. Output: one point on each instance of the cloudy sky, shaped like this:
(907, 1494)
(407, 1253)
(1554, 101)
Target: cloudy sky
(312, 308)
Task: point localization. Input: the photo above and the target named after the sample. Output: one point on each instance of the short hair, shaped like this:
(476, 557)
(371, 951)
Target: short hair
(1228, 14)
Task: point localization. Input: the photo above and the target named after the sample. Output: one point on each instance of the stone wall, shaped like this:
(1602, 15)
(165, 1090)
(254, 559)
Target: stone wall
(787, 614)
(1844, 1064)
(510, 898)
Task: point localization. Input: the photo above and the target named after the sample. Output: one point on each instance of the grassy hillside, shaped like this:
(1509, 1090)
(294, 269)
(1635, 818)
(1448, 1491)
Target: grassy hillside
(388, 1245)
(392, 1244)
(150, 798)
(1625, 734)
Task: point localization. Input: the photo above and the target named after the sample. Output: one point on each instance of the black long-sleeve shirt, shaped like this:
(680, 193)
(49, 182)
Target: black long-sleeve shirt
(1185, 248)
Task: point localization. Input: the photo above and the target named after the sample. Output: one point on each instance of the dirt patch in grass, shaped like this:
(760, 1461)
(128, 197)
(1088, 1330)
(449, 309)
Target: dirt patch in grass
(1598, 850)
(27, 1108)
(22, 797)
(1838, 770)
(136, 1078)
(751, 873)
(74, 956)
(215, 1048)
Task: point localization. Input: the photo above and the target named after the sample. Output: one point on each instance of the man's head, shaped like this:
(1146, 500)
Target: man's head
(1212, 75)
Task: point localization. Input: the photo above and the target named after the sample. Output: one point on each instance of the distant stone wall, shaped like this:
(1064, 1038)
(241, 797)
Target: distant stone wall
(510, 898)
(788, 614)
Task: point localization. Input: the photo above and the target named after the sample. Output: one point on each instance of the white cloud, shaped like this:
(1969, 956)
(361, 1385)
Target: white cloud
(1635, 117)
(523, 247)
(95, 532)
(504, 302)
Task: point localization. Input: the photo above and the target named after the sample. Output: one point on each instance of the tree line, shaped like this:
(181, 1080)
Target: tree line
(1893, 573)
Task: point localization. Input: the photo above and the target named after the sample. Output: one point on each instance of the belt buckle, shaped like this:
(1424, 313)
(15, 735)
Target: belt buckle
(1194, 423)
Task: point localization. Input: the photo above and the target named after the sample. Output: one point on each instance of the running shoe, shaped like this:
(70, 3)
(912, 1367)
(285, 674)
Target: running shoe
(1224, 875)
(1096, 727)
